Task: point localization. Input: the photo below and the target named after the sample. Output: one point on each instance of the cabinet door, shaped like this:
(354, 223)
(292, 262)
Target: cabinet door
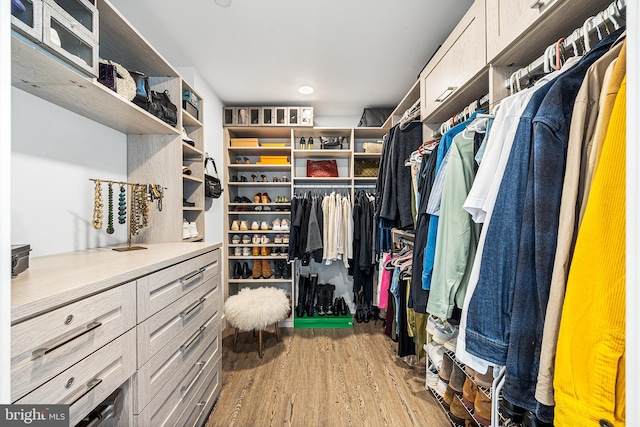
(509, 19)
(461, 57)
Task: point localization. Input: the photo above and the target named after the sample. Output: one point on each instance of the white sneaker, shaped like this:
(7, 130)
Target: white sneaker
(194, 229)
(256, 239)
(435, 353)
(235, 239)
(246, 251)
(284, 225)
(277, 239)
(265, 239)
(451, 344)
(285, 238)
(432, 379)
(186, 232)
(444, 331)
(441, 388)
(276, 224)
(255, 225)
(237, 251)
(246, 239)
(264, 226)
(431, 323)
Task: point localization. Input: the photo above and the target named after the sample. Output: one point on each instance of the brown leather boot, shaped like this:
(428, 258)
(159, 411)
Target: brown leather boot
(257, 268)
(482, 407)
(266, 269)
(265, 251)
(469, 393)
(459, 413)
(255, 251)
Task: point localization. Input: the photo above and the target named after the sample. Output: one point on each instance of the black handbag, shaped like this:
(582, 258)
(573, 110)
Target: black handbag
(157, 103)
(212, 184)
(162, 107)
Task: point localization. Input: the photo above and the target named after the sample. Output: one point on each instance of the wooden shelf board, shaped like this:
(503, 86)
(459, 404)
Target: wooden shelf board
(260, 132)
(367, 155)
(191, 178)
(342, 154)
(369, 132)
(260, 184)
(189, 120)
(266, 167)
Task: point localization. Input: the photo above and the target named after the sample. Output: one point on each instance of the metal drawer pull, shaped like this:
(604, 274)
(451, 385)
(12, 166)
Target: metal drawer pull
(90, 386)
(201, 403)
(537, 4)
(188, 278)
(82, 331)
(183, 347)
(184, 388)
(193, 307)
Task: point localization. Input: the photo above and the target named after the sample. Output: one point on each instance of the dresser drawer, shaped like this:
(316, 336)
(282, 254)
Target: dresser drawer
(163, 287)
(181, 317)
(199, 407)
(89, 382)
(182, 351)
(172, 400)
(46, 345)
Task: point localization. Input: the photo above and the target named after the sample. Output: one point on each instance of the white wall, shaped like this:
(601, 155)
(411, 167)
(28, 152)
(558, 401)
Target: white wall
(213, 144)
(5, 213)
(336, 121)
(54, 153)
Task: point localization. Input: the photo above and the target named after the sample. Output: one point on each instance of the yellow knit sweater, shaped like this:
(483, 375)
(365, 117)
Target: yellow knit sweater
(590, 361)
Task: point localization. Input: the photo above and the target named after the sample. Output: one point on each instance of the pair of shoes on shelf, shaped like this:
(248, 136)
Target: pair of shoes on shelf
(187, 203)
(443, 332)
(255, 226)
(262, 269)
(242, 160)
(242, 199)
(239, 225)
(242, 251)
(306, 145)
(261, 198)
(281, 224)
(260, 239)
(262, 208)
(282, 199)
(241, 270)
(189, 230)
(254, 178)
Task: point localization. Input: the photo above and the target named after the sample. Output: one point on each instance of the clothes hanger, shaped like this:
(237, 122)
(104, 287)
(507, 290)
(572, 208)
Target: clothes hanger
(585, 33)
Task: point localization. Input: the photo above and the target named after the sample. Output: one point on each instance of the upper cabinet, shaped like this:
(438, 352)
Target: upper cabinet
(516, 28)
(460, 59)
(507, 19)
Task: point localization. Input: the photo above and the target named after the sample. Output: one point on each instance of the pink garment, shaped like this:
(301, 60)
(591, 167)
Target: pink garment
(385, 282)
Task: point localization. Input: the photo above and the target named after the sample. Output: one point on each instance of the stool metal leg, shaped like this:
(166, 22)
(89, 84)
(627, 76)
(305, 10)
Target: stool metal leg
(235, 340)
(277, 332)
(260, 343)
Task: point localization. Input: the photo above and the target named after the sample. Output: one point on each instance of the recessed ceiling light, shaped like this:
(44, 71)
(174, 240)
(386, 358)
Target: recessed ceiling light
(223, 3)
(305, 90)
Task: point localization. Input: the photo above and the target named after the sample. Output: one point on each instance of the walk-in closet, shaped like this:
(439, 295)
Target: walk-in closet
(284, 212)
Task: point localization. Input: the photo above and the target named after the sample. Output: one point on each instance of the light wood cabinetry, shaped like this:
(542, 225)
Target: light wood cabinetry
(518, 31)
(155, 151)
(461, 59)
(244, 163)
(77, 341)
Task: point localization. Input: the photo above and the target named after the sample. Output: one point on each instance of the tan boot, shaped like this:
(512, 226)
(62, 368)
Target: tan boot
(265, 251)
(257, 269)
(255, 251)
(266, 269)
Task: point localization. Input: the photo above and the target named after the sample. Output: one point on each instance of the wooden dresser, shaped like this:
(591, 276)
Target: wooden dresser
(147, 322)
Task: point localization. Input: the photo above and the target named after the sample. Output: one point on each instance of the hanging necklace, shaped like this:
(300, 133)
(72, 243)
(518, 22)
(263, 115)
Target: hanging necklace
(135, 211)
(97, 206)
(122, 206)
(110, 229)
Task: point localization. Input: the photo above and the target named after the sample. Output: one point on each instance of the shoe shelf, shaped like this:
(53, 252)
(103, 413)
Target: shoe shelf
(365, 178)
(189, 120)
(258, 231)
(260, 184)
(188, 150)
(192, 178)
(334, 154)
(367, 156)
(259, 245)
(469, 411)
(258, 151)
(261, 167)
(445, 410)
(259, 213)
(452, 356)
(257, 257)
(300, 179)
(191, 208)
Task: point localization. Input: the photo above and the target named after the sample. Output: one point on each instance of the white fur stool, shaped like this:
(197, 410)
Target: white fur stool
(255, 309)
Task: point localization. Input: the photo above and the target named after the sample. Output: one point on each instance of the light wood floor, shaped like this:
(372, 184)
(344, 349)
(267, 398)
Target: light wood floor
(321, 377)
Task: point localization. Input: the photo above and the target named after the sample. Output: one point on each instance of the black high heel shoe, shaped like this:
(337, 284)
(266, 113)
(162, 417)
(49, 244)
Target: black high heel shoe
(303, 144)
(264, 178)
(243, 178)
(310, 143)
(254, 178)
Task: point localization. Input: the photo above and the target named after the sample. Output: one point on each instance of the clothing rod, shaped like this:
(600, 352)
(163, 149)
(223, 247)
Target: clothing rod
(591, 26)
(322, 186)
(118, 182)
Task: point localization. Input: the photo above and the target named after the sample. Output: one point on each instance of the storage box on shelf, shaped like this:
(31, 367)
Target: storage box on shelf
(267, 116)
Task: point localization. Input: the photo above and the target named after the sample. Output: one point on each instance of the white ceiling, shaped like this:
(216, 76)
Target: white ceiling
(355, 53)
